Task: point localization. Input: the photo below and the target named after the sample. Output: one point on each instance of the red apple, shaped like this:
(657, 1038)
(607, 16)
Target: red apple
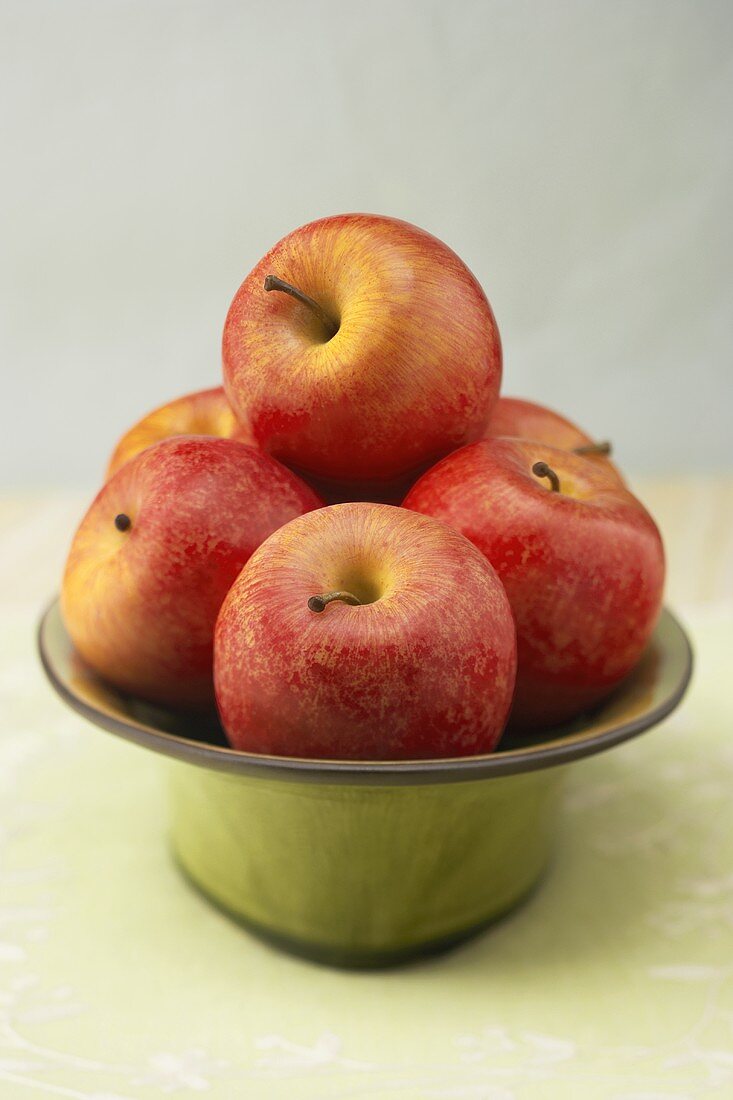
(580, 558)
(206, 412)
(156, 554)
(363, 631)
(522, 419)
(374, 353)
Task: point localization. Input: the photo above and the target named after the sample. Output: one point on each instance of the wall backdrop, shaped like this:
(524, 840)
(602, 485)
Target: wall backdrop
(577, 155)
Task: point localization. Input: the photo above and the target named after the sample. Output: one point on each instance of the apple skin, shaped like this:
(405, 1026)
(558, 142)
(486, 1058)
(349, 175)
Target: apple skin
(583, 568)
(140, 604)
(205, 412)
(513, 416)
(412, 372)
(426, 669)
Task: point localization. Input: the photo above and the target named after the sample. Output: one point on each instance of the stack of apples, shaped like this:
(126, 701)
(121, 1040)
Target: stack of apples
(356, 547)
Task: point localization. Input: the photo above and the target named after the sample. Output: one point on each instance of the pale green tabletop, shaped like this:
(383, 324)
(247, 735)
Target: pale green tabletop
(614, 981)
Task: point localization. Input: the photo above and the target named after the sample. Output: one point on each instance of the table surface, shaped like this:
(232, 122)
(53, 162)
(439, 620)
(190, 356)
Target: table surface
(118, 982)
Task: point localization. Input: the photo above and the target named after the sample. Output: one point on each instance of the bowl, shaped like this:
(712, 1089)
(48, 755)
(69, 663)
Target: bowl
(366, 863)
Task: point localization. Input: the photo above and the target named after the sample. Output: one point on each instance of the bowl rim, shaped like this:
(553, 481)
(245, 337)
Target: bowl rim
(559, 749)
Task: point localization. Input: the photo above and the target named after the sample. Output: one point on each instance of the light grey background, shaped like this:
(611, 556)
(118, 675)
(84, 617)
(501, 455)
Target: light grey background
(578, 155)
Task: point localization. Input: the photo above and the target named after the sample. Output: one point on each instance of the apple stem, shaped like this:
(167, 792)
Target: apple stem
(603, 448)
(318, 603)
(541, 469)
(122, 522)
(272, 282)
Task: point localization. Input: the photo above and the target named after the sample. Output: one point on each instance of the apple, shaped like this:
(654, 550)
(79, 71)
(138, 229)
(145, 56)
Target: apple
(364, 631)
(156, 554)
(361, 348)
(513, 416)
(580, 558)
(206, 412)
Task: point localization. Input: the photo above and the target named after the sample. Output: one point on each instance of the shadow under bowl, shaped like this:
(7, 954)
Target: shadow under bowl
(359, 863)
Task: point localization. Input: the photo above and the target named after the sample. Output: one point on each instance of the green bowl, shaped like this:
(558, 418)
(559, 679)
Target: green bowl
(359, 863)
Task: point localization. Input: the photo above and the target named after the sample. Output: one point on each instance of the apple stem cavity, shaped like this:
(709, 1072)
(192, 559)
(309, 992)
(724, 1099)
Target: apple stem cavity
(603, 448)
(272, 282)
(541, 469)
(318, 603)
(122, 522)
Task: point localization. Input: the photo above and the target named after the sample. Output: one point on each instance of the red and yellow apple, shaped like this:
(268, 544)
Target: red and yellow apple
(513, 416)
(205, 412)
(360, 349)
(156, 554)
(580, 558)
(364, 631)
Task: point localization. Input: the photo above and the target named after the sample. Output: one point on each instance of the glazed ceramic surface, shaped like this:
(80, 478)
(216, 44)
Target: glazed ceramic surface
(366, 863)
(363, 874)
